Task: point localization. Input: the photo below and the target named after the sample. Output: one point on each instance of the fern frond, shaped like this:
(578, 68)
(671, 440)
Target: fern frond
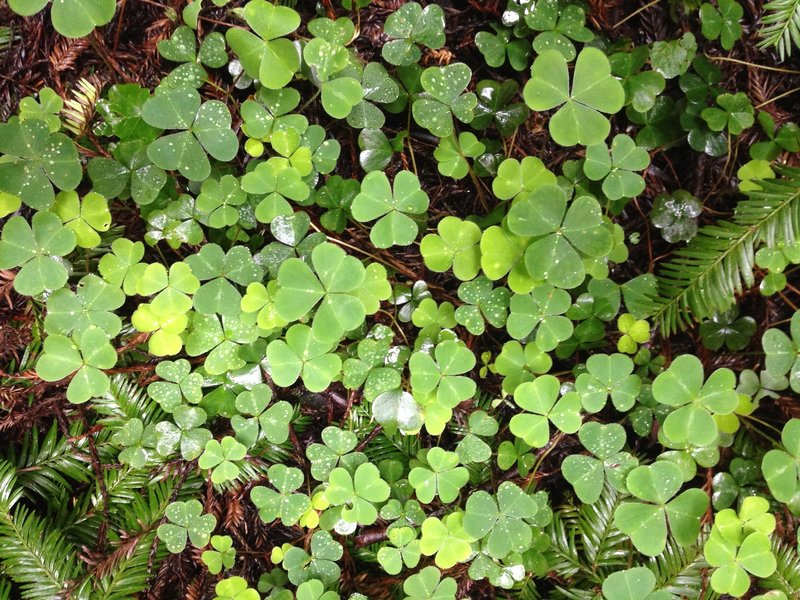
(680, 570)
(705, 276)
(130, 573)
(786, 577)
(126, 400)
(780, 26)
(5, 589)
(36, 556)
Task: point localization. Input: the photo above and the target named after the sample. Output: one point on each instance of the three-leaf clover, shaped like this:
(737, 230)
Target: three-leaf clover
(390, 205)
(594, 91)
(83, 357)
(646, 522)
(443, 373)
(404, 549)
(358, 493)
(722, 22)
(725, 329)
(733, 112)
(302, 355)
(637, 583)
(444, 98)
(223, 458)
(222, 556)
(269, 56)
(540, 398)
(483, 301)
(204, 127)
(541, 312)
(442, 477)
(587, 474)
(558, 25)
(284, 504)
(429, 585)
(781, 467)
(35, 160)
(324, 457)
(783, 352)
(86, 217)
(447, 539)
(36, 247)
(618, 170)
(178, 384)
(221, 339)
(452, 153)
(185, 433)
(220, 270)
(186, 518)
(501, 519)
(92, 303)
(682, 386)
(608, 375)
(675, 214)
(456, 245)
(271, 419)
(235, 588)
(563, 235)
(411, 25)
(516, 177)
(321, 564)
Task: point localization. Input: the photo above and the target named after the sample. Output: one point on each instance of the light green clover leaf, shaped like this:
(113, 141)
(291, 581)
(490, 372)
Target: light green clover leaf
(637, 583)
(185, 433)
(283, 504)
(515, 177)
(397, 410)
(646, 523)
(782, 352)
(442, 477)
(324, 457)
(221, 339)
(781, 467)
(268, 56)
(204, 128)
(321, 564)
(501, 519)
(302, 355)
(447, 539)
(558, 26)
(518, 364)
(222, 556)
(456, 245)
(540, 398)
(594, 91)
(608, 375)
(219, 201)
(390, 205)
(541, 312)
(733, 112)
(619, 169)
(186, 518)
(735, 563)
(83, 357)
(443, 373)
(429, 585)
(271, 419)
(682, 386)
(37, 248)
(404, 549)
(92, 303)
(223, 458)
(235, 588)
(358, 493)
(452, 153)
(444, 99)
(86, 217)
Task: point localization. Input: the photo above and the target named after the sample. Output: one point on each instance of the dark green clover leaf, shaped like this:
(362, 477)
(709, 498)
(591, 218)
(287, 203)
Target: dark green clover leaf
(682, 386)
(284, 504)
(321, 564)
(646, 522)
(723, 328)
(129, 172)
(495, 106)
(390, 205)
(35, 160)
(541, 312)
(619, 169)
(186, 518)
(501, 519)
(471, 448)
(411, 25)
(642, 88)
(495, 47)
(675, 214)
(587, 474)
(444, 98)
(83, 357)
(540, 398)
(204, 128)
(268, 56)
(673, 57)
(733, 112)
(562, 235)
(722, 22)
(594, 91)
(324, 457)
(221, 340)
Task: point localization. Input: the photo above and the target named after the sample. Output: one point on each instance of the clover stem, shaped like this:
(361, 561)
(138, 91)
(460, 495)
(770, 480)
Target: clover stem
(636, 12)
(410, 148)
(309, 101)
(396, 324)
(754, 65)
(778, 97)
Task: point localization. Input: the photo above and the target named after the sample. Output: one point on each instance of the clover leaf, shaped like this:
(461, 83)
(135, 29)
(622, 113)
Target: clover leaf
(452, 153)
(737, 560)
(35, 160)
(411, 25)
(608, 375)
(444, 98)
(166, 329)
(283, 504)
(222, 556)
(456, 246)
(428, 584)
(220, 270)
(447, 539)
(733, 112)
(397, 409)
(332, 287)
(130, 172)
(619, 169)
(379, 88)
(722, 22)
(185, 433)
(483, 301)
(541, 312)
(172, 288)
(291, 240)
(84, 357)
(682, 386)
(471, 448)
(91, 304)
(302, 355)
(36, 247)
(223, 458)
(337, 197)
(390, 205)
(540, 398)
(495, 105)
(587, 474)
(358, 493)
(272, 421)
(646, 522)
(642, 88)
(783, 352)
(781, 467)
(404, 549)
(495, 47)
(673, 57)
(85, 217)
(442, 477)
(637, 583)
(324, 457)
(235, 588)
(563, 234)
(519, 178)
(518, 364)
(204, 128)
(675, 214)
(723, 328)
(500, 520)
(558, 26)
(594, 91)
(220, 201)
(221, 339)
(442, 373)
(268, 56)
(186, 519)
